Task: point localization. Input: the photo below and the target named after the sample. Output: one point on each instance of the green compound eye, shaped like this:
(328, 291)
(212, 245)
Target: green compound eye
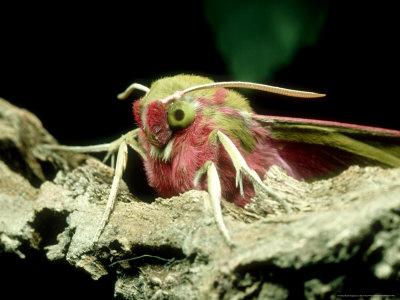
(180, 114)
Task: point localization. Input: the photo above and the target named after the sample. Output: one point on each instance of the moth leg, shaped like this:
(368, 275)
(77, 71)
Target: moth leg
(119, 169)
(79, 149)
(119, 146)
(130, 139)
(214, 191)
(122, 158)
(111, 148)
(242, 167)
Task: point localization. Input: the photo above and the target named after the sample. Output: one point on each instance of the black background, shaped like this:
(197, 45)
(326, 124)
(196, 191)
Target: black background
(67, 64)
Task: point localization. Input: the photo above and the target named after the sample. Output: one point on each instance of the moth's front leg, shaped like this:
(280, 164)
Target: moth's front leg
(214, 191)
(130, 139)
(241, 167)
(110, 148)
(119, 146)
(122, 157)
(119, 170)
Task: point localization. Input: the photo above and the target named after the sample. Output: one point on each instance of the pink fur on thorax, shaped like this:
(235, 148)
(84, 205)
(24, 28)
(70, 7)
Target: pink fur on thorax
(192, 149)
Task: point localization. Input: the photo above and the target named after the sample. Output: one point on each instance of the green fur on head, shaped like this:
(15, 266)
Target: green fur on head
(234, 127)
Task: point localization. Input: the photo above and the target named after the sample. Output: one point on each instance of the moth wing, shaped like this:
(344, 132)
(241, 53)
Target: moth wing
(315, 148)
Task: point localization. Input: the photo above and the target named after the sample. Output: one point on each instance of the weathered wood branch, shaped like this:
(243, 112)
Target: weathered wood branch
(342, 238)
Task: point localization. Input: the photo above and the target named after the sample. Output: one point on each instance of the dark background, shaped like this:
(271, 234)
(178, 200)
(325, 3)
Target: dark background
(68, 63)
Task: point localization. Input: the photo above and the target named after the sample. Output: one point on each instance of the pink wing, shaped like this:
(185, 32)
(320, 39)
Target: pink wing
(341, 127)
(315, 148)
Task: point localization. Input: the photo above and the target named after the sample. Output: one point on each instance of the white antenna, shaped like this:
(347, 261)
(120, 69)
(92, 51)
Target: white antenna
(254, 86)
(134, 86)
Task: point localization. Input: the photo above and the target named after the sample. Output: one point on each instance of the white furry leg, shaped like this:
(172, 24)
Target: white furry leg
(242, 167)
(119, 146)
(214, 191)
(119, 170)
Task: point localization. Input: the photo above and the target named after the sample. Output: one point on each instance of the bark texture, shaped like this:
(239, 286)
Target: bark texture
(342, 238)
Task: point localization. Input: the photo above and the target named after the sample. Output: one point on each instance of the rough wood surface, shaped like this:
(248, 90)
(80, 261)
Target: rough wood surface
(343, 237)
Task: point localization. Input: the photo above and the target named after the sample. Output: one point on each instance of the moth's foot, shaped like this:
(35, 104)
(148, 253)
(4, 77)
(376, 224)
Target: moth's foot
(242, 168)
(214, 192)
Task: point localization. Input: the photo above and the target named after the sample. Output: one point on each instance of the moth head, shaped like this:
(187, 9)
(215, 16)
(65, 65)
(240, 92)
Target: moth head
(169, 105)
(163, 111)
(159, 120)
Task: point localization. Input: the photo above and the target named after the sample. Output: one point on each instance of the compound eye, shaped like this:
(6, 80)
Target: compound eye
(180, 114)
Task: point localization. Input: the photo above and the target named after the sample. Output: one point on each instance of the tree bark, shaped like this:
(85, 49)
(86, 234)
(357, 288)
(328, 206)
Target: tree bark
(342, 238)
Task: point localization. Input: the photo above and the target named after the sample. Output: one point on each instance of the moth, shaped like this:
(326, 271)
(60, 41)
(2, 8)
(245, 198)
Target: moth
(194, 133)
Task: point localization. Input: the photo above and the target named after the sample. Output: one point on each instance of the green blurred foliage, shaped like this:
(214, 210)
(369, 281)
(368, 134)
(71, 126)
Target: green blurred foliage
(256, 38)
